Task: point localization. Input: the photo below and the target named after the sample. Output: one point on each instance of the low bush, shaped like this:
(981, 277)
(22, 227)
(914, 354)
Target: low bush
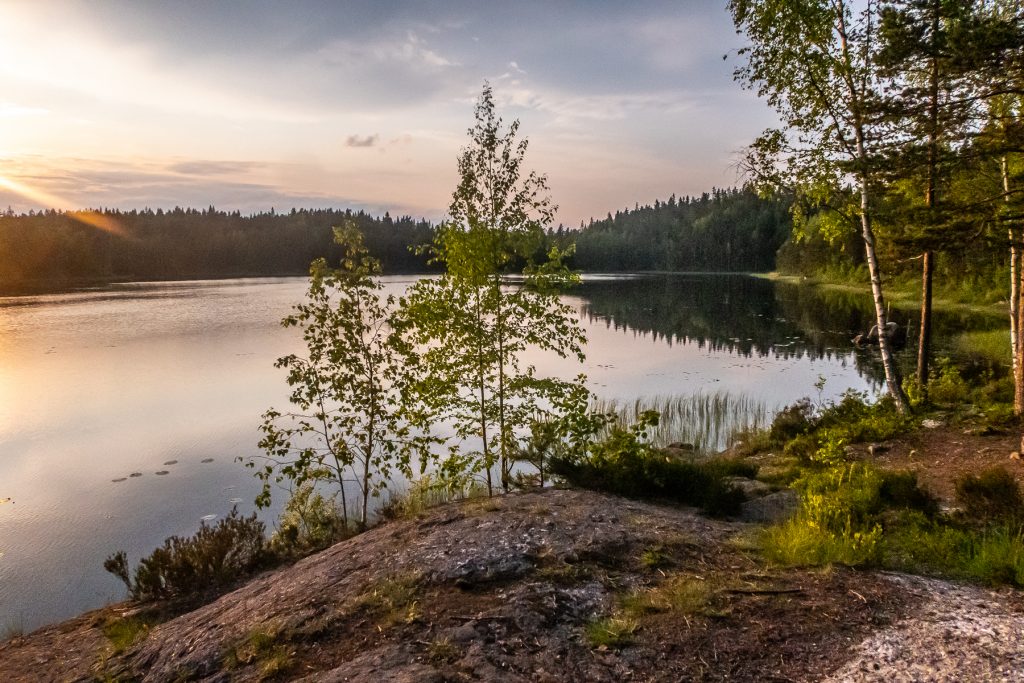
(792, 421)
(625, 464)
(215, 558)
(991, 496)
(842, 515)
(309, 522)
(946, 386)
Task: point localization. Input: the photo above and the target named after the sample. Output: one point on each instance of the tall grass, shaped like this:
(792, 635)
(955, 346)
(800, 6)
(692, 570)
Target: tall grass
(707, 420)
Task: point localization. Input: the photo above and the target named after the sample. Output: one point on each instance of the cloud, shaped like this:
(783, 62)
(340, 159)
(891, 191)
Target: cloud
(362, 141)
(207, 168)
(9, 110)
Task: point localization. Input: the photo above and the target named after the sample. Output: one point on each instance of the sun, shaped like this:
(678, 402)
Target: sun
(91, 218)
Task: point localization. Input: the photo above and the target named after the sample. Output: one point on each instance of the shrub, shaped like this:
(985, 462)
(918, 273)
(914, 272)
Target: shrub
(947, 386)
(991, 496)
(792, 421)
(214, 558)
(309, 522)
(841, 515)
(901, 491)
(647, 473)
(802, 448)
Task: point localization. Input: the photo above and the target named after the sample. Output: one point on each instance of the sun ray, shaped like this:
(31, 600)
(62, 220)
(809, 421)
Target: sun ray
(95, 219)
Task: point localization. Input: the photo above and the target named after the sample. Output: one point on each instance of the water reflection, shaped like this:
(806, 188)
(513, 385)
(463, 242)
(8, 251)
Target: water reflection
(754, 317)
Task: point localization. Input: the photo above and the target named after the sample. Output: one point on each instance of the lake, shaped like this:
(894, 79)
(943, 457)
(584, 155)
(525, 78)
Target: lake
(123, 409)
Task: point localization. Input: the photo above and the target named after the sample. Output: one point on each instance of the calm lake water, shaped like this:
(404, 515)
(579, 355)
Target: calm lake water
(122, 410)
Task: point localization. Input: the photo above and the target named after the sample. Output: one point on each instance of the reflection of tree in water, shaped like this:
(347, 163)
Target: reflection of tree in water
(752, 317)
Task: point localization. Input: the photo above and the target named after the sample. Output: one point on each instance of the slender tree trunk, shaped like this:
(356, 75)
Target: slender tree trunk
(892, 375)
(928, 257)
(1016, 292)
(499, 330)
(483, 396)
(857, 94)
(925, 338)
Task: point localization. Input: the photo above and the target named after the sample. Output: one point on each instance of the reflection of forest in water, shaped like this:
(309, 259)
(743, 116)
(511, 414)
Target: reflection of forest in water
(755, 317)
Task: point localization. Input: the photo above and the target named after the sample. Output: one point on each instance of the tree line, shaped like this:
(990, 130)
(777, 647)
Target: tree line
(724, 230)
(53, 248)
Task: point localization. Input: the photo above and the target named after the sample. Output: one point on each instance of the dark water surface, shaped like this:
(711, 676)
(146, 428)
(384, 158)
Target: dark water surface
(122, 410)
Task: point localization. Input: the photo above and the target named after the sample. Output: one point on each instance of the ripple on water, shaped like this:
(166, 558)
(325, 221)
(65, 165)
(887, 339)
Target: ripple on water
(171, 462)
(206, 460)
(208, 518)
(135, 474)
(119, 479)
(234, 501)
(162, 472)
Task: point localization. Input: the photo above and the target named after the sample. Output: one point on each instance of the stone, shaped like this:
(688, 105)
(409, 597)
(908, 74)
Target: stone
(774, 507)
(752, 488)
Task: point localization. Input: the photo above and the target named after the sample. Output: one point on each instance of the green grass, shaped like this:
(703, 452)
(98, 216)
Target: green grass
(679, 593)
(991, 345)
(264, 648)
(612, 632)
(796, 543)
(392, 599)
(854, 514)
(125, 632)
(991, 557)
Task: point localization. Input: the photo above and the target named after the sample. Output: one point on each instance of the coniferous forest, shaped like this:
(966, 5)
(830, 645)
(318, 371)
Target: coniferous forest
(725, 230)
(51, 249)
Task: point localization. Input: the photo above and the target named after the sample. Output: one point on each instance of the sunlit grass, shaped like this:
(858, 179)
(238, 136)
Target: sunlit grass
(707, 420)
(990, 344)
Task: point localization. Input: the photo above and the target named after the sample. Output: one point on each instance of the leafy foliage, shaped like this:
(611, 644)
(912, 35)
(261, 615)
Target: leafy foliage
(472, 326)
(352, 423)
(309, 522)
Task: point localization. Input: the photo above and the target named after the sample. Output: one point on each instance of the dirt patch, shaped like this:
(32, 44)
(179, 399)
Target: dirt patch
(942, 455)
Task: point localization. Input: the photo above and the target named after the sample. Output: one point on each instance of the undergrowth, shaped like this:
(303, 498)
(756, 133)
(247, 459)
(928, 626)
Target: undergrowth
(858, 515)
(626, 464)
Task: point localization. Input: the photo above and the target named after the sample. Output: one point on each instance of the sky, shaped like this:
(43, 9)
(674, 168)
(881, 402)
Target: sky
(253, 105)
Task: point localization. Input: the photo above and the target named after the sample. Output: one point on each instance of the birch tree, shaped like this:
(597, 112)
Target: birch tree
(473, 323)
(349, 422)
(813, 61)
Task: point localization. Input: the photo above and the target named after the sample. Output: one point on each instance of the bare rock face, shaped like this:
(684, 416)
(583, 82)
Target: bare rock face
(552, 586)
(464, 548)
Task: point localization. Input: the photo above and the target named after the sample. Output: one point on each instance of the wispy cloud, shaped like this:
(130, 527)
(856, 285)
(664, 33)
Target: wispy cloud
(213, 168)
(362, 140)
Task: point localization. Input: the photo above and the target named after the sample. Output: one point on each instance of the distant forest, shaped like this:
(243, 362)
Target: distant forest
(52, 248)
(725, 230)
